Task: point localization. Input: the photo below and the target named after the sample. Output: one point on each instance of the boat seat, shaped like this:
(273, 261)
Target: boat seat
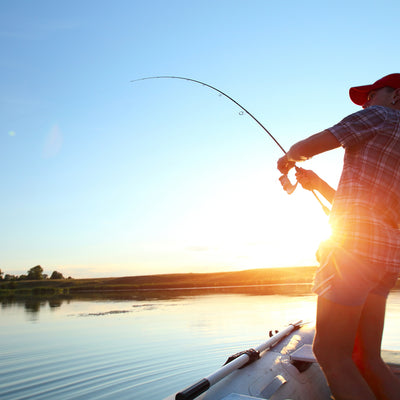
(304, 353)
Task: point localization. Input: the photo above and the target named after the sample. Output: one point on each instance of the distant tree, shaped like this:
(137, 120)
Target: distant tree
(22, 278)
(9, 277)
(1, 275)
(35, 273)
(56, 275)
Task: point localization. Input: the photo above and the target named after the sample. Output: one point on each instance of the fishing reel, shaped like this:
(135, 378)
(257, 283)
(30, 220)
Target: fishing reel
(288, 187)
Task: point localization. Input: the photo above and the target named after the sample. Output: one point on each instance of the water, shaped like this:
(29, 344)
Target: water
(143, 347)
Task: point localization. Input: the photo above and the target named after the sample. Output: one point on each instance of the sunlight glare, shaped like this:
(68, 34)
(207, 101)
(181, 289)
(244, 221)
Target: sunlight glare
(234, 227)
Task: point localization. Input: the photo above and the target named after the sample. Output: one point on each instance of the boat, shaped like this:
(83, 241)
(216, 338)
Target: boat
(281, 368)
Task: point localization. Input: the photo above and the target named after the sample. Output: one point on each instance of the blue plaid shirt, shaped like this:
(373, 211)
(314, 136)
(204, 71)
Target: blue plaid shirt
(365, 213)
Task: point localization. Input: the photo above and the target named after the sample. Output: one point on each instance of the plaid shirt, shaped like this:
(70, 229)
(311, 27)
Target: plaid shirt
(365, 214)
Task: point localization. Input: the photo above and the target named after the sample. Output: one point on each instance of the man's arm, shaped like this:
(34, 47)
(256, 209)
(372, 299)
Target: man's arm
(307, 148)
(313, 145)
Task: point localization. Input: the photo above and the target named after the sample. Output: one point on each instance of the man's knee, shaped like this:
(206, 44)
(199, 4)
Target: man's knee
(365, 355)
(320, 350)
(367, 364)
(327, 355)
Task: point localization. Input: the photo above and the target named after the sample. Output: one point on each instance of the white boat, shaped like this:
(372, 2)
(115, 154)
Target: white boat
(281, 368)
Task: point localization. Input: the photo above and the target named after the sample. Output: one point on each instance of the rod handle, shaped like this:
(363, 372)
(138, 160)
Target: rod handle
(193, 391)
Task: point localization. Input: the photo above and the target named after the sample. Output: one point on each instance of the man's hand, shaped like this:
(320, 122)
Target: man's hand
(284, 165)
(308, 179)
(311, 181)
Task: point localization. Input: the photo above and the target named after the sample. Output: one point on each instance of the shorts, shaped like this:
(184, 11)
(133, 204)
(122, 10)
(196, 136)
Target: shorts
(345, 279)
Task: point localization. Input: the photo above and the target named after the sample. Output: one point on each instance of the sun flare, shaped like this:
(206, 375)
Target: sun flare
(235, 229)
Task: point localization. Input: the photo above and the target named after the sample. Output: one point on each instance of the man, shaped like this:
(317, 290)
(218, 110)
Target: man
(360, 263)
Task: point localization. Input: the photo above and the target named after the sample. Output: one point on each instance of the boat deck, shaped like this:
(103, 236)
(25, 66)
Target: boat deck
(286, 370)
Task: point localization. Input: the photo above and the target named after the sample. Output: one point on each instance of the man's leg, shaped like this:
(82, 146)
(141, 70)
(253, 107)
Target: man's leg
(367, 350)
(333, 346)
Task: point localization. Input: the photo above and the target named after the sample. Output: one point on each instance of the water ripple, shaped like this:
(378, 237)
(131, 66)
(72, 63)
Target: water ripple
(143, 355)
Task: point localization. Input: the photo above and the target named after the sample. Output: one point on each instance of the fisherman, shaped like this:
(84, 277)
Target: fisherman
(360, 262)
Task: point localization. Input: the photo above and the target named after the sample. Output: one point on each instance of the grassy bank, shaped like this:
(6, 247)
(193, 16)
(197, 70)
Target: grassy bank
(70, 287)
(265, 276)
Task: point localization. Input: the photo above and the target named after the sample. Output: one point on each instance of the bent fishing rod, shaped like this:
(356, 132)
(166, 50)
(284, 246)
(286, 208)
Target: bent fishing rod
(287, 186)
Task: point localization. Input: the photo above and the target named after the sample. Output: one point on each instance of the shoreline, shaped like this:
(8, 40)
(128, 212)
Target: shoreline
(245, 279)
(254, 278)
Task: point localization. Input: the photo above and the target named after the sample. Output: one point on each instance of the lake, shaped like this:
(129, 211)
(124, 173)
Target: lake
(143, 345)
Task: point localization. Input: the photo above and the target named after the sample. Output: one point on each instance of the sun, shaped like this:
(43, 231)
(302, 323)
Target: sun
(254, 227)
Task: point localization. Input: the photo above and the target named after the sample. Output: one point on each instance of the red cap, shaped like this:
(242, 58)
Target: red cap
(359, 94)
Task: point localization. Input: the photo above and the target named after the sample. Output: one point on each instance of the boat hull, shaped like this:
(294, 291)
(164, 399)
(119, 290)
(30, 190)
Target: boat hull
(275, 375)
(288, 370)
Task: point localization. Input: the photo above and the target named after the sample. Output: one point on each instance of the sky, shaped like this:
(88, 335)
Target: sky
(102, 176)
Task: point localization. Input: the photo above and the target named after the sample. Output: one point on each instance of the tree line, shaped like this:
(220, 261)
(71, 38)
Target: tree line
(34, 274)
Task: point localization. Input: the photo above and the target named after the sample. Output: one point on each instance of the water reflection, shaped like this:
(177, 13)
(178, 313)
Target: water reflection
(143, 344)
(54, 303)
(33, 304)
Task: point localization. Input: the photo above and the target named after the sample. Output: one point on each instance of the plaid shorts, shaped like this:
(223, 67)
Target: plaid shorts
(345, 279)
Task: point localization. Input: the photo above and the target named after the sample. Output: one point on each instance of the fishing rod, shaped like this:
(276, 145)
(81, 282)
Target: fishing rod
(287, 185)
(220, 92)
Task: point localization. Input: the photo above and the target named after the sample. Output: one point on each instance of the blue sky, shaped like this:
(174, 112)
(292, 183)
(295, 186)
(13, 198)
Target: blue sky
(104, 177)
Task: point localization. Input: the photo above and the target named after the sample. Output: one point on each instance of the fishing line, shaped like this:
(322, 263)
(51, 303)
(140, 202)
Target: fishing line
(220, 92)
(288, 187)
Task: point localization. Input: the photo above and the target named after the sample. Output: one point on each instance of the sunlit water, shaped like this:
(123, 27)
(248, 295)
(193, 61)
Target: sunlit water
(139, 349)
